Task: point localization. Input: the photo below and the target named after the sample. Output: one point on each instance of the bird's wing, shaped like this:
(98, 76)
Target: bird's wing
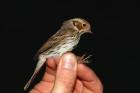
(53, 41)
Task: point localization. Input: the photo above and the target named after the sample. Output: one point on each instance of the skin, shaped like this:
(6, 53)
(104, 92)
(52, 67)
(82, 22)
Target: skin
(64, 75)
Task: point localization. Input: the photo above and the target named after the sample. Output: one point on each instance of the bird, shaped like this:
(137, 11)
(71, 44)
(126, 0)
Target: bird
(64, 40)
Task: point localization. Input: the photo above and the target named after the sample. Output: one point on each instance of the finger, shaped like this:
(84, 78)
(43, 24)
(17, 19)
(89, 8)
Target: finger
(89, 78)
(49, 75)
(86, 73)
(51, 69)
(46, 84)
(66, 74)
(53, 62)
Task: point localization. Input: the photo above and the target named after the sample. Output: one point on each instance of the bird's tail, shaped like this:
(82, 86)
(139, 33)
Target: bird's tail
(38, 67)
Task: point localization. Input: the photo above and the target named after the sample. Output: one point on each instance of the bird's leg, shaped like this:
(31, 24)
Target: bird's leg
(83, 59)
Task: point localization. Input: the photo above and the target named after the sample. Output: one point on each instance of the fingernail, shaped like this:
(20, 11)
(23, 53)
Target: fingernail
(68, 61)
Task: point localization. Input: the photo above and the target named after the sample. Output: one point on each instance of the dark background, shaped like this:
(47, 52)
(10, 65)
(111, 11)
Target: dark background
(26, 25)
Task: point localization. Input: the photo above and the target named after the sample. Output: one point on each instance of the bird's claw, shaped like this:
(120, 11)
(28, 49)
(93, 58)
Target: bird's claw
(83, 59)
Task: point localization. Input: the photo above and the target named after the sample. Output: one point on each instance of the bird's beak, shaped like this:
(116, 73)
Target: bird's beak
(90, 32)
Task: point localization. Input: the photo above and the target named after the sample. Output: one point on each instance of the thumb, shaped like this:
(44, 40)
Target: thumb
(66, 74)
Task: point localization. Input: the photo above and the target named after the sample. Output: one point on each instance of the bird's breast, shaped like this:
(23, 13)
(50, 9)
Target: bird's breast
(68, 45)
(64, 46)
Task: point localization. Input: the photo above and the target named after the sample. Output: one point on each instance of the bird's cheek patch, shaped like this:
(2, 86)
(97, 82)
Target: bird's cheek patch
(78, 25)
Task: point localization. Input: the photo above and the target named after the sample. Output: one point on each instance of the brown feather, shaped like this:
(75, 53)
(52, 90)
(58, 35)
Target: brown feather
(55, 40)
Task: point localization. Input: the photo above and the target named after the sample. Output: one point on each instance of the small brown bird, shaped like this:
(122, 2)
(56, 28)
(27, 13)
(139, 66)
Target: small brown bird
(66, 38)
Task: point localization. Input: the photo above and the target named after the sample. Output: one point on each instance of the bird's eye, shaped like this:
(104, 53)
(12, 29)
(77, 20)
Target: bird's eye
(84, 25)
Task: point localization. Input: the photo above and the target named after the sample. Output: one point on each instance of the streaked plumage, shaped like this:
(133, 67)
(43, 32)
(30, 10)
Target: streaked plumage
(63, 41)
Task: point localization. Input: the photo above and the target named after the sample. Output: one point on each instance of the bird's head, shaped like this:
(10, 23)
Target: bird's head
(78, 24)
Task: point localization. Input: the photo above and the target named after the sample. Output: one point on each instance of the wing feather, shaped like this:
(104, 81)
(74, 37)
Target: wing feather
(54, 41)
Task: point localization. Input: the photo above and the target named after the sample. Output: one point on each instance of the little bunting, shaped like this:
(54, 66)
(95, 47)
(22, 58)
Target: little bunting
(64, 40)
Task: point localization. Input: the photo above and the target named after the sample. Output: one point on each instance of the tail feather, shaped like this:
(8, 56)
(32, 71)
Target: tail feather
(38, 67)
(30, 80)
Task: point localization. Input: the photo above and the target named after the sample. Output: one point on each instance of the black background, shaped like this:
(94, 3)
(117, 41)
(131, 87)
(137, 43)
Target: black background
(26, 25)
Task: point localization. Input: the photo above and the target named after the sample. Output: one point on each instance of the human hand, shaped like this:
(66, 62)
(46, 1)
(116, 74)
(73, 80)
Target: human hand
(64, 75)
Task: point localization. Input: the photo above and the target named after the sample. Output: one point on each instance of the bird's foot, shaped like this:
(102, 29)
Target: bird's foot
(83, 59)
